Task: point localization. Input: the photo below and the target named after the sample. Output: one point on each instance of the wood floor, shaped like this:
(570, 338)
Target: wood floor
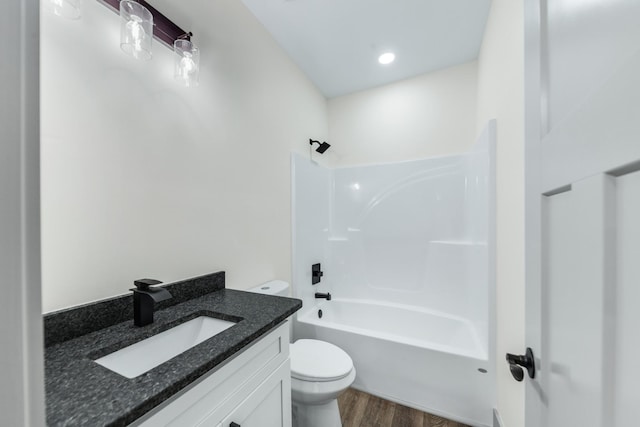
(358, 409)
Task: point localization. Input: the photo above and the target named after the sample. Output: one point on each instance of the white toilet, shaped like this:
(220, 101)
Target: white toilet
(320, 371)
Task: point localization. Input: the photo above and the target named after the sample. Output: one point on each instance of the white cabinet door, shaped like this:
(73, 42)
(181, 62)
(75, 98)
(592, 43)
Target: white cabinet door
(268, 406)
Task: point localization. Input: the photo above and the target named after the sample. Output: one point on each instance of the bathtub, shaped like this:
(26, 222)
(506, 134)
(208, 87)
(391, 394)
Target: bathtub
(416, 357)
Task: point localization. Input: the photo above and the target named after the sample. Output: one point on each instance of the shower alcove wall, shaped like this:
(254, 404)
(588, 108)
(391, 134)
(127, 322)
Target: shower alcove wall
(407, 251)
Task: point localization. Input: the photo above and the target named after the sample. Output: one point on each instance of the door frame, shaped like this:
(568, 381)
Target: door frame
(535, 123)
(21, 361)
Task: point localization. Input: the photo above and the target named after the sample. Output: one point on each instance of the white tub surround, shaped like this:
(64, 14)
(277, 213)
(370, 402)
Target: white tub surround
(407, 251)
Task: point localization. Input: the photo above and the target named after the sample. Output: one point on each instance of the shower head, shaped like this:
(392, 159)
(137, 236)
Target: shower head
(322, 146)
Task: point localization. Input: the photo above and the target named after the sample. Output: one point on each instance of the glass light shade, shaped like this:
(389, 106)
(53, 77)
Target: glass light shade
(136, 29)
(71, 9)
(187, 62)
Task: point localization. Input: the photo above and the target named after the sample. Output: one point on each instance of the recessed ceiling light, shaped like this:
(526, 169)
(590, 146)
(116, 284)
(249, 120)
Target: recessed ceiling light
(386, 58)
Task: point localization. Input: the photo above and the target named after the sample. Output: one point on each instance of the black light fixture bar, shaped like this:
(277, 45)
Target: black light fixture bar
(164, 29)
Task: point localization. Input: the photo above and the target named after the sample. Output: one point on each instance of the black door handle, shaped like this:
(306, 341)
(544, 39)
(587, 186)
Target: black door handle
(517, 372)
(526, 361)
(234, 425)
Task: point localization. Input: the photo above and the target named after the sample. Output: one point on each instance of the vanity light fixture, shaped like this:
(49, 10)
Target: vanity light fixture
(187, 61)
(141, 22)
(71, 9)
(136, 29)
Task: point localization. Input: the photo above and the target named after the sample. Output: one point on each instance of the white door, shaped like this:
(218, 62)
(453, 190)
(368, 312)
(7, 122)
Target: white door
(583, 212)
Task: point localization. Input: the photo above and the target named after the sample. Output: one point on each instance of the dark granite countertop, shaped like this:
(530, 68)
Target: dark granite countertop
(79, 392)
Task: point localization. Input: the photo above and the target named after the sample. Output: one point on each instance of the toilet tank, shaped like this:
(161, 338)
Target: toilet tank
(274, 287)
(278, 288)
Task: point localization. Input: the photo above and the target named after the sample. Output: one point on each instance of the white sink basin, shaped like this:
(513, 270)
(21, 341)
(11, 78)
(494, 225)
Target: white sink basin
(145, 355)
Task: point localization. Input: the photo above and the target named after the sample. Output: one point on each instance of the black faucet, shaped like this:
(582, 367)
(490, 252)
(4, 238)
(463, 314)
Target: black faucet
(144, 298)
(326, 296)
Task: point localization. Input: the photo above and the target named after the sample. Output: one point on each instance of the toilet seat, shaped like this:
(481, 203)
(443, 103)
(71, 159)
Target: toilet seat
(319, 361)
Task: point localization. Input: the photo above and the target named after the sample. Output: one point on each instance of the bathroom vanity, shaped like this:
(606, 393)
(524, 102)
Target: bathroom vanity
(238, 377)
(252, 390)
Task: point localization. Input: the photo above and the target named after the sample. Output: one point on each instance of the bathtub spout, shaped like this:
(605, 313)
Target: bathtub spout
(326, 296)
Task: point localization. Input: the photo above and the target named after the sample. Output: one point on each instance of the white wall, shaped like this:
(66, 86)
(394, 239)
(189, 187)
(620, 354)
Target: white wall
(501, 96)
(144, 178)
(429, 115)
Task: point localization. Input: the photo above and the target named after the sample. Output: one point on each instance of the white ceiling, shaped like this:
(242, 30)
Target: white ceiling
(337, 42)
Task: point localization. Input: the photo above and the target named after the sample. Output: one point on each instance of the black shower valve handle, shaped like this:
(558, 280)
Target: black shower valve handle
(316, 274)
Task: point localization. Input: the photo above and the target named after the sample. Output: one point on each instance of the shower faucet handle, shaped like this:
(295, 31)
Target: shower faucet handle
(316, 274)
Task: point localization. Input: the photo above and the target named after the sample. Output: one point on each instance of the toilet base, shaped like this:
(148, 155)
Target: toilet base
(325, 415)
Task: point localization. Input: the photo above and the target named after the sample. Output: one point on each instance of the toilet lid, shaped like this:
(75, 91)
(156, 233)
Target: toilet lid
(313, 360)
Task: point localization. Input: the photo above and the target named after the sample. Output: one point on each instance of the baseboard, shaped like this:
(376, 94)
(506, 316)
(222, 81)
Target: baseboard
(497, 420)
